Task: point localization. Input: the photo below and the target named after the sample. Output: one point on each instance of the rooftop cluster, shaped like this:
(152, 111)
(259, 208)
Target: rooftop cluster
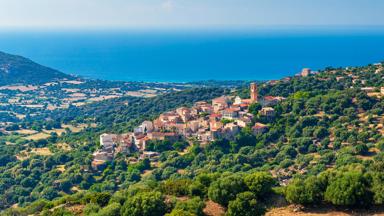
(204, 122)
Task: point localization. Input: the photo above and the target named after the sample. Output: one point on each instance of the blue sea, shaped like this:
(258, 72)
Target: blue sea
(182, 56)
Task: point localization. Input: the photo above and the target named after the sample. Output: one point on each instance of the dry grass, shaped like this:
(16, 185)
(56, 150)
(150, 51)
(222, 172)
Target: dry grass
(58, 131)
(51, 107)
(33, 105)
(38, 136)
(374, 94)
(78, 95)
(102, 97)
(181, 171)
(20, 116)
(46, 133)
(74, 82)
(72, 128)
(322, 211)
(79, 104)
(41, 151)
(213, 209)
(22, 156)
(35, 151)
(70, 90)
(370, 155)
(61, 168)
(19, 87)
(76, 209)
(64, 146)
(146, 173)
(77, 128)
(26, 132)
(139, 94)
(290, 211)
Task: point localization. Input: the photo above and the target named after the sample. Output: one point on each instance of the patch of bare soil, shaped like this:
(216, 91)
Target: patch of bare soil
(213, 209)
(76, 209)
(293, 210)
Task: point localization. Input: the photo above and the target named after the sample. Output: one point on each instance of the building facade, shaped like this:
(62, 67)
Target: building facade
(254, 93)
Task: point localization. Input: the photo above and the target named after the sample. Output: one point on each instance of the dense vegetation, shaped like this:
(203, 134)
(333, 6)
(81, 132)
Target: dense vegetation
(122, 114)
(324, 145)
(23, 181)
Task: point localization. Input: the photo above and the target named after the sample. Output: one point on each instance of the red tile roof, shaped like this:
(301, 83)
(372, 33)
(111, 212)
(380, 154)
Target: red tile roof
(259, 126)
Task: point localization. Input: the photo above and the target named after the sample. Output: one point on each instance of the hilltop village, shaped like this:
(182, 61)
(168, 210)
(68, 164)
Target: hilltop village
(204, 122)
(305, 135)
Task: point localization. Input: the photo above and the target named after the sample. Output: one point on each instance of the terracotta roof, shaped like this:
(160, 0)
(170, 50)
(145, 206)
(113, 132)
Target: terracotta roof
(144, 138)
(270, 98)
(215, 115)
(221, 99)
(139, 136)
(259, 126)
(246, 101)
(231, 109)
(163, 134)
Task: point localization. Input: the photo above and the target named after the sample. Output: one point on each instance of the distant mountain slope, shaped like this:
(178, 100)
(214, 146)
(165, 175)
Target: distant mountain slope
(17, 69)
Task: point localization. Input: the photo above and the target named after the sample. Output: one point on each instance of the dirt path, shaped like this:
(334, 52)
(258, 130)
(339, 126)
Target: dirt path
(213, 209)
(323, 211)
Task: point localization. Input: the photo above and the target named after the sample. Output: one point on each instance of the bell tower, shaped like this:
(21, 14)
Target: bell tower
(254, 93)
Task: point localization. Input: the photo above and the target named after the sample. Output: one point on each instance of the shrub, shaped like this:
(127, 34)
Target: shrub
(144, 204)
(307, 191)
(110, 210)
(91, 208)
(194, 206)
(178, 187)
(225, 189)
(245, 204)
(260, 183)
(348, 189)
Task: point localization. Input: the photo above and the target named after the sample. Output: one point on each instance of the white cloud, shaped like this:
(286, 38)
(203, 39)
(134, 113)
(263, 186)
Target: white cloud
(168, 5)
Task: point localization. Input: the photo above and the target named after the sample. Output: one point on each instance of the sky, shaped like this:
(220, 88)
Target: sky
(148, 14)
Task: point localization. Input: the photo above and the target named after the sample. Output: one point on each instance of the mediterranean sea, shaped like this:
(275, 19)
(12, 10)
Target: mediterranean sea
(182, 56)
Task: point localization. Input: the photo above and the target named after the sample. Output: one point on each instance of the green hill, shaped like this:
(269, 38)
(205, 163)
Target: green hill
(324, 148)
(17, 69)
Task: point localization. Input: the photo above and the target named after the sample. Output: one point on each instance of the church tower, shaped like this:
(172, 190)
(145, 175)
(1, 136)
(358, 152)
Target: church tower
(254, 94)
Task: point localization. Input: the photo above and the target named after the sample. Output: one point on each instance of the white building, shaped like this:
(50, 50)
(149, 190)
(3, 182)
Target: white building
(238, 101)
(107, 140)
(145, 127)
(103, 156)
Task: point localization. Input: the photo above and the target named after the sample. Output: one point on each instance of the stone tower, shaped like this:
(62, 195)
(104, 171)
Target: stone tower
(254, 94)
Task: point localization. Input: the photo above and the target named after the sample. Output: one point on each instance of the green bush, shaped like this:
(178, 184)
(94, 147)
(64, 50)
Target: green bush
(225, 189)
(144, 204)
(194, 206)
(112, 209)
(348, 189)
(308, 191)
(245, 204)
(91, 208)
(260, 183)
(178, 187)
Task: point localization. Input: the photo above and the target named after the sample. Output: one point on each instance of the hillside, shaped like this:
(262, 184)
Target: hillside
(323, 145)
(17, 69)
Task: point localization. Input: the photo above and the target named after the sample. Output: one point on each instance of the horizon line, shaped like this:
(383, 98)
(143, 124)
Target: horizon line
(182, 28)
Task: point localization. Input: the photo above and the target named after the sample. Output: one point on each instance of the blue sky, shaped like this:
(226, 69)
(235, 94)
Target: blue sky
(149, 14)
